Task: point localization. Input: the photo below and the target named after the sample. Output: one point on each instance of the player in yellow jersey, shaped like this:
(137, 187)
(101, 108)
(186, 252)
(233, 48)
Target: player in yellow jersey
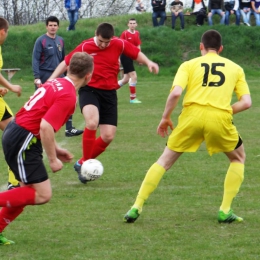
(207, 115)
(6, 114)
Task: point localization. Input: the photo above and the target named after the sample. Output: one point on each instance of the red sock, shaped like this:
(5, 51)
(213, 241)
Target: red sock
(99, 147)
(18, 197)
(88, 141)
(132, 90)
(7, 215)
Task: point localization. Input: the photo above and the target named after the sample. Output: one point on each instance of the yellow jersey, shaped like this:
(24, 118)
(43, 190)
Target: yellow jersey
(1, 59)
(210, 80)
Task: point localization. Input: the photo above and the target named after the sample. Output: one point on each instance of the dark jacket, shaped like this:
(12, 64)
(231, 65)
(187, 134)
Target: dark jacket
(216, 4)
(158, 5)
(193, 3)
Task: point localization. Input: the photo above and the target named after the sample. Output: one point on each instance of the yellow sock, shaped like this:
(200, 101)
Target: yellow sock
(11, 178)
(150, 182)
(233, 181)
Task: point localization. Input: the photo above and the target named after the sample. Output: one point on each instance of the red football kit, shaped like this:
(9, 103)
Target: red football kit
(47, 102)
(106, 61)
(133, 37)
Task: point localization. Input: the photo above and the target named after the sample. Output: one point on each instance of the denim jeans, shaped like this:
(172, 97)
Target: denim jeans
(162, 16)
(73, 17)
(245, 15)
(216, 11)
(227, 14)
(257, 19)
(181, 18)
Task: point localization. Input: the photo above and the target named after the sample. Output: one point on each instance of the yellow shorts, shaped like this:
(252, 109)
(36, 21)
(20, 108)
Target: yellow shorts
(5, 111)
(204, 123)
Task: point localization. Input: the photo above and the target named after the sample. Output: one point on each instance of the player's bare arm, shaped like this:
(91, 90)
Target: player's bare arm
(62, 67)
(49, 145)
(3, 91)
(14, 88)
(152, 66)
(63, 154)
(244, 103)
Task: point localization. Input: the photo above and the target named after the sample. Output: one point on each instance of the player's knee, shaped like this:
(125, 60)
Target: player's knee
(42, 198)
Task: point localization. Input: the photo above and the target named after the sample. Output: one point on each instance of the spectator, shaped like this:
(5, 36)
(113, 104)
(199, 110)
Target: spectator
(177, 11)
(200, 10)
(232, 7)
(245, 11)
(158, 11)
(256, 10)
(216, 7)
(140, 6)
(48, 52)
(72, 7)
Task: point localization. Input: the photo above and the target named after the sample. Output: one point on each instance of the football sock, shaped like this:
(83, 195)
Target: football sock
(11, 178)
(233, 181)
(69, 123)
(88, 141)
(7, 215)
(99, 147)
(132, 88)
(18, 197)
(150, 182)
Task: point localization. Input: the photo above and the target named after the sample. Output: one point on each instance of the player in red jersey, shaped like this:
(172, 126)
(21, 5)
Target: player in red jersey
(130, 76)
(98, 100)
(32, 130)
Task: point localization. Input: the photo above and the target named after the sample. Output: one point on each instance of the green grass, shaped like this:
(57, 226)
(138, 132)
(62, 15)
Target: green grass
(179, 219)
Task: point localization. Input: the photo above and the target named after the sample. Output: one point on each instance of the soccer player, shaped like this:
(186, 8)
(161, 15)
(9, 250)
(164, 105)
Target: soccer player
(133, 36)
(98, 100)
(207, 112)
(6, 114)
(33, 130)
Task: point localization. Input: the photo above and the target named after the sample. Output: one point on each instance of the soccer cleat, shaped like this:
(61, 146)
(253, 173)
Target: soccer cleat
(229, 217)
(135, 101)
(73, 132)
(131, 216)
(10, 186)
(4, 241)
(77, 167)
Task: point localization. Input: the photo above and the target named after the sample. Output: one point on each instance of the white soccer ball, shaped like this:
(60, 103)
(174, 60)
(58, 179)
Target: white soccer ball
(92, 169)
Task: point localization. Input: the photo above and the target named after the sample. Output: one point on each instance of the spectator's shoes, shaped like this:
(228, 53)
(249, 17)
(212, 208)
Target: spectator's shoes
(73, 132)
(4, 241)
(247, 24)
(10, 186)
(77, 168)
(229, 217)
(135, 101)
(131, 216)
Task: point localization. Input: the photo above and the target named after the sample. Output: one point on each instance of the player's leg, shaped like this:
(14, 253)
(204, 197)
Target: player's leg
(132, 88)
(71, 130)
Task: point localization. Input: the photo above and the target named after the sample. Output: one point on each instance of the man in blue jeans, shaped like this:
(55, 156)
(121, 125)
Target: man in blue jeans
(232, 7)
(158, 11)
(72, 7)
(216, 7)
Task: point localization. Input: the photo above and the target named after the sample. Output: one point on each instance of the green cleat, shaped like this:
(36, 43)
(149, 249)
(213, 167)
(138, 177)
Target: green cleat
(4, 241)
(229, 217)
(131, 216)
(135, 101)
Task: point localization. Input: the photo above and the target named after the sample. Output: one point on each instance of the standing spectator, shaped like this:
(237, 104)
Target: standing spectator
(177, 11)
(140, 6)
(6, 114)
(130, 75)
(32, 131)
(48, 52)
(203, 118)
(199, 9)
(256, 9)
(216, 7)
(245, 11)
(158, 12)
(98, 99)
(232, 7)
(72, 7)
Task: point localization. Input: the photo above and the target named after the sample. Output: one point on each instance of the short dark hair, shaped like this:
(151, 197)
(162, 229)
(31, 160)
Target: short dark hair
(212, 39)
(4, 24)
(105, 30)
(52, 19)
(132, 19)
(81, 63)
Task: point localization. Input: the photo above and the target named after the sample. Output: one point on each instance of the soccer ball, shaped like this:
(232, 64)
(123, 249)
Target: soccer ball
(92, 169)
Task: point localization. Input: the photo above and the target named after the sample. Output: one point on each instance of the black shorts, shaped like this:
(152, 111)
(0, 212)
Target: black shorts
(104, 100)
(23, 154)
(127, 63)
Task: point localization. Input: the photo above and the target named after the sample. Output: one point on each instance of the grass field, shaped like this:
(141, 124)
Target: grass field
(178, 221)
